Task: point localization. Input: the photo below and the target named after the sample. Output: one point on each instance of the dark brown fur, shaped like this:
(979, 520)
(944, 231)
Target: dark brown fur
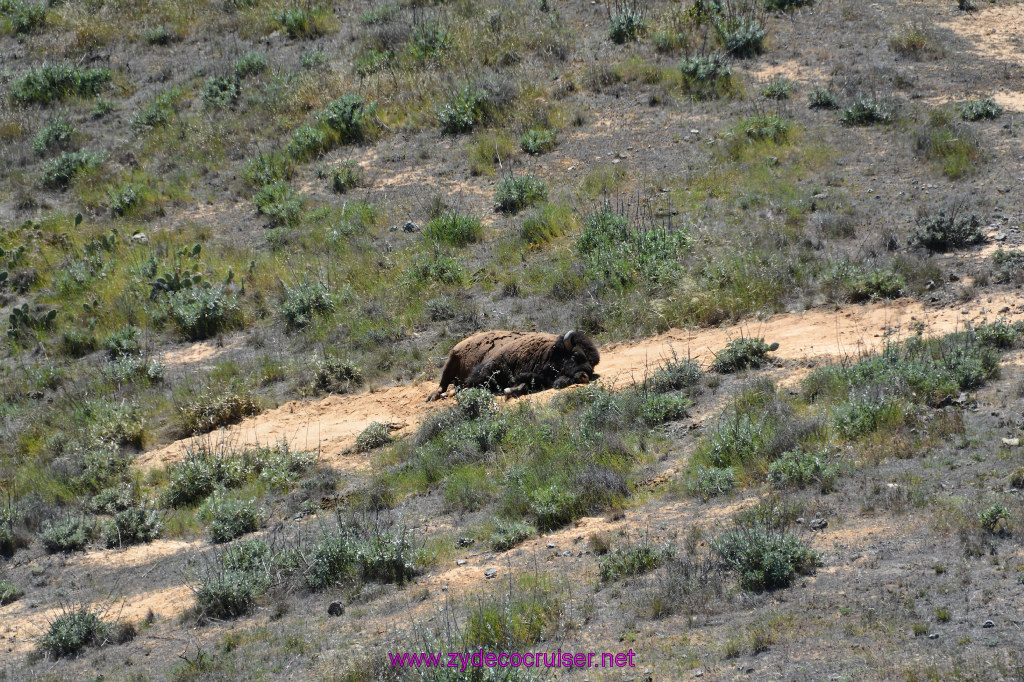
(518, 362)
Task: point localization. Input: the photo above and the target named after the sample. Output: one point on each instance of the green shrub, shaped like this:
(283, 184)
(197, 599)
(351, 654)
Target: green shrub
(60, 171)
(462, 110)
(675, 375)
(72, 631)
(999, 334)
(799, 468)
(123, 198)
(221, 91)
(860, 415)
(9, 540)
(304, 301)
(875, 284)
(621, 255)
(436, 267)
(707, 77)
(231, 586)
(538, 140)
(385, 557)
(778, 89)
(70, 535)
(54, 82)
(741, 37)
(766, 127)
(250, 64)
(429, 42)
(915, 42)
(332, 559)
(454, 229)
(313, 59)
(763, 558)
(711, 481)
(508, 534)
(267, 169)
(994, 519)
(348, 175)
(866, 111)
(158, 111)
(467, 489)
(304, 22)
(161, 35)
(332, 374)
(280, 203)
(113, 499)
(350, 118)
(954, 146)
(56, 134)
(942, 232)
(376, 435)
(633, 561)
(979, 109)
(626, 21)
(123, 343)
(135, 526)
(784, 5)
(308, 142)
(24, 17)
(76, 343)
(742, 353)
(547, 223)
(9, 592)
(1008, 266)
(822, 98)
(655, 409)
(230, 518)
(202, 312)
(210, 410)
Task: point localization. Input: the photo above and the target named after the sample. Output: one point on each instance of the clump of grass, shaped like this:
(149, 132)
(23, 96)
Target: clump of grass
(742, 353)
(453, 229)
(764, 558)
(350, 118)
(980, 109)
(303, 302)
(867, 111)
(313, 59)
(778, 89)
(950, 144)
(508, 534)
(9, 592)
(489, 150)
(55, 82)
(250, 64)
(945, 231)
(134, 526)
(221, 91)
(711, 481)
(348, 175)
(516, 192)
(158, 111)
(547, 223)
(800, 468)
(332, 374)
(57, 134)
(762, 127)
(279, 202)
(531, 609)
(231, 518)
(160, 35)
(376, 435)
(230, 586)
(1008, 266)
(627, 21)
(462, 110)
(73, 631)
(124, 199)
(24, 17)
(822, 98)
(995, 519)
(69, 535)
(213, 409)
(856, 285)
(305, 22)
(538, 140)
(785, 5)
(707, 77)
(266, 169)
(632, 561)
(60, 171)
(915, 42)
(201, 312)
(740, 37)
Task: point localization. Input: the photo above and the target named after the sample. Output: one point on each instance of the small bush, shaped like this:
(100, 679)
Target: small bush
(954, 146)
(158, 111)
(1009, 266)
(785, 5)
(56, 134)
(123, 343)
(76, 343)
(135, 526)
(822, 98)
(675, 375)
(375, 435)
(999, 334)
(633, 561)
(279, 202)
(52, 82)
(124, 198)
(348, 175)
(70, 535)
(211, 410)
(230, 587)
(221, 91)
(467, 489)
(304, 301)
(304, 22)
(995, 519)
(9, 592)
(778, 89)
(547, 223)
(538, 140)
(915, 42)
(741, 37)
(429, 43)
(250, 64)
(742, 353)
(762, 127)
(59, 172)
(866, 112)
(160, 35)
(313, 59)
(266, 169)
(707, 77)
(436, 267)
(24, 17)
(508, 534)
(876, 284)
(202, 312)
(764, 559)
(231, 518)
(462, 111)
(943, 232)
(72, 632)
(626, 22)
(620, 255)
(799, 468)
(711, 481)
(332, 374)
(454, 229)
(333, 559)
(860, 415)
(350, 118)
(980, 109)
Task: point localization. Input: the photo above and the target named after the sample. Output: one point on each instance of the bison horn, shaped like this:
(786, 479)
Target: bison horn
(565, 339)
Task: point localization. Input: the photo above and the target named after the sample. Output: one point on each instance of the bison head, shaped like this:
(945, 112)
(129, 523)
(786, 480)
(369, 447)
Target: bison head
(575, 356)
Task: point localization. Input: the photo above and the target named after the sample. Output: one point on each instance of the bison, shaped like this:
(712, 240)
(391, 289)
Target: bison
(518, 362)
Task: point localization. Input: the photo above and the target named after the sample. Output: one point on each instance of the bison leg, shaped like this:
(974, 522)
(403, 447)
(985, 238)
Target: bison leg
(489, 375)
(449, 373)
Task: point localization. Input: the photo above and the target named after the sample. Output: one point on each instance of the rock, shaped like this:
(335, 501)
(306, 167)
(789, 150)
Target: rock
(1012, 442)
(335, 609)
(551, 545)
(567, 552)
(800, 520)
(464, 542)
(988, 624)
(491, 573)
(1005, 309)
(817, 523)
(461, 562)
(933, 636)
(140, 238)
(410, 226)
(698, 673)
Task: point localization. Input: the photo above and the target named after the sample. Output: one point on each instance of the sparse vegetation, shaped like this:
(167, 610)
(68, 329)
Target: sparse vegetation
(516, 192)
(742, 353)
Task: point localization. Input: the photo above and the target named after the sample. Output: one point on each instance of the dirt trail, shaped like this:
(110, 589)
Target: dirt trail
(331, 424)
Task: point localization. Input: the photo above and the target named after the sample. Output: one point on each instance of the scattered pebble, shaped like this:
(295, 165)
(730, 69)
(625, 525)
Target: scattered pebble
(460, 562)
(988, 624)
(491, 573)
(335, 609)
(551, 545)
